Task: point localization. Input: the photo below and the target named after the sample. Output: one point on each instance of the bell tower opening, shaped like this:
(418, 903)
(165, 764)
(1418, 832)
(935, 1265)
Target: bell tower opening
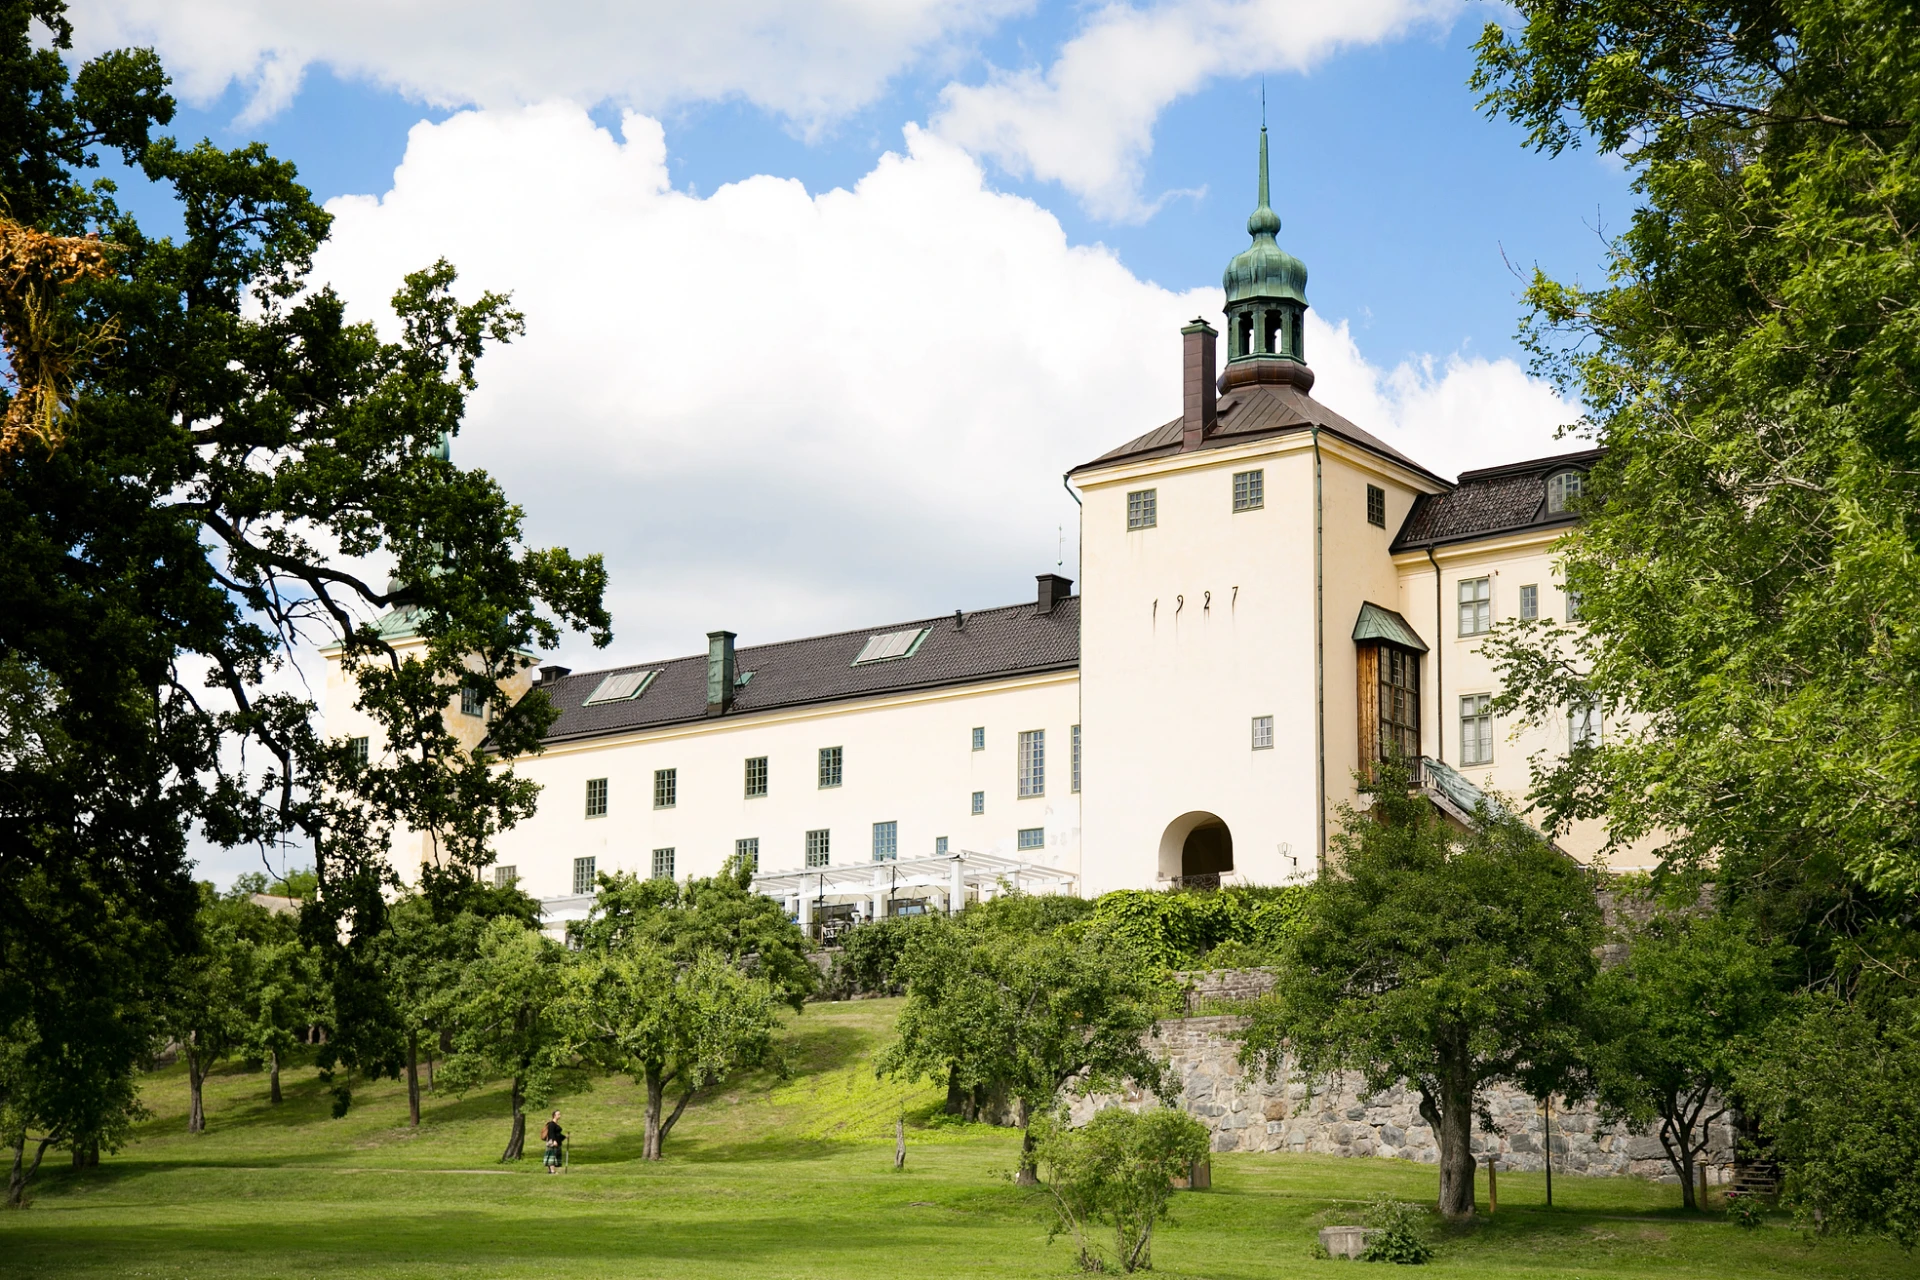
(1266, 303)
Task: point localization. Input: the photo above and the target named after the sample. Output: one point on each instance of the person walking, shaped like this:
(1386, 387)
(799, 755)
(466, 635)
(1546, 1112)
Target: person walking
(553, 1135)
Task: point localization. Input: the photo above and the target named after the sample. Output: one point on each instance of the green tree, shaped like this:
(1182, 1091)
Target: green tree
(674, 1024)
(1746, 562)
(505, 1020)
(1444, 959)
(282, 999)
(1673, 1022)
(213, 994)
(227, 459)
(1118, 1170)
(1026, 1014)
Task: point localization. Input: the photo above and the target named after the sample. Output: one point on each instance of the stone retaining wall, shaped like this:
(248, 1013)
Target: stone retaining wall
(1246, 1113)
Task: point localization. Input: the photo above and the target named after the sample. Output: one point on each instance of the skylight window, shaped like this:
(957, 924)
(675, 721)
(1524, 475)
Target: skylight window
(894, 644)
(620, 688)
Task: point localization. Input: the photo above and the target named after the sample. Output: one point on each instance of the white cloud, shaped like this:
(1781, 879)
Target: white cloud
(785, 413)
(1087, 120)
(806, 59)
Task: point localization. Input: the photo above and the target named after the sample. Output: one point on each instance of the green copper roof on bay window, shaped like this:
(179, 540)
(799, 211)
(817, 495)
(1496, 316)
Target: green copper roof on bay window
(1375, 623)
(1263, 269)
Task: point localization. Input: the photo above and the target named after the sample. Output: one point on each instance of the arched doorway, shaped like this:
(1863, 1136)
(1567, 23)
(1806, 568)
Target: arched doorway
(1196, 849)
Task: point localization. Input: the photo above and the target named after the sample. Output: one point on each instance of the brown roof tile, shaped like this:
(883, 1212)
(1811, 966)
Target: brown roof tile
(1493, 500)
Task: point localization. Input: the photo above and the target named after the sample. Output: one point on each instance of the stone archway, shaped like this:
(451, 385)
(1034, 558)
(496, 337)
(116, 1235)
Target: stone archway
(1195, 844)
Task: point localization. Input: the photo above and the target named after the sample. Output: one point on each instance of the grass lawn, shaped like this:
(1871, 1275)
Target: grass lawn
(774, 1178)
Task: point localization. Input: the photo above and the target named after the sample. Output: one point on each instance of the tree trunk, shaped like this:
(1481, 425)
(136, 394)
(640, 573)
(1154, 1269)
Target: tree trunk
(666, 1126)
(1029, 1175)
(413, 1078)
(196, 1076)
(1451, 1117)
(656, 1092)
(900, 1143)
(273, 1076)
(517, 1138)
(956, 1096)
(17, 1182)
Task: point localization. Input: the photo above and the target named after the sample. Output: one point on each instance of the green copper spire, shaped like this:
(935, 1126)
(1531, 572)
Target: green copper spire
(1266, 291)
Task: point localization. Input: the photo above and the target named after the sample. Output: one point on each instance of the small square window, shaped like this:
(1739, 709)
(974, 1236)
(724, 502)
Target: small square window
(1033, 763)
(1263, 733)
(1142, 509)
(666, 788)
(473, 702)
(1529, 602)
(1249, 490)
(663, 864)
(1476, 729)
(886, 841)
(819, 848)
(1032, 838)
(979, 802)
(596, 797)
(358, 750)
(583, 875)
(830, 762)
(747, 853)
(504, 876)
(980, 738)
(1476, 606)
(1376, 506)
(939, 844)
(756, 775)
(1075, 770)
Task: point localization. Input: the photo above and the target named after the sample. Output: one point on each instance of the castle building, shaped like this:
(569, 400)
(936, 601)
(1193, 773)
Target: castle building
(1274, 600)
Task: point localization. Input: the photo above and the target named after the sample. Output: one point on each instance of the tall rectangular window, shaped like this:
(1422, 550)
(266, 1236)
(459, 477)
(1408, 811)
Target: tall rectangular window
(1376, 505)
(357, 748)
(1249, 490)
(1529, 602)
(1476, 729)
(886, 841)
(1399, 703)
(1476, 606)
(1074, 777)
(666, 788)
(596, 797)
(583, 875)
(939, 845)
(1583, 728)
(1573, 606)
(756, 775)
(663, 864)
(1263, 733)
(1032, 838)
(473, 702)
(1033, 763)
(819, 848)
(504, 876)
(979, 803)
(1142, 509)
(747, 853)
(830, 761)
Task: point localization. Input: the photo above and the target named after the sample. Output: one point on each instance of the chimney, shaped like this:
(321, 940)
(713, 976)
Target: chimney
(549, 674)
(719, 672)
(1053, 589)
(1198, 411)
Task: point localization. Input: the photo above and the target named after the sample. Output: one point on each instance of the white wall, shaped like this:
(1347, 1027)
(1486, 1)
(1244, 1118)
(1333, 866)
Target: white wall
(907, 759)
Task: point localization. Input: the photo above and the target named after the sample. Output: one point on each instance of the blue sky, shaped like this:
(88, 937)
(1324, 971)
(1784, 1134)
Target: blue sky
(824, 296)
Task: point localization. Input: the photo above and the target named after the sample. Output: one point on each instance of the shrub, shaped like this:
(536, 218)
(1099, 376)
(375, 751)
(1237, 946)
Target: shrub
(1745, 1211)
(1398, 1232)
(1117, 1170)
(868, 961)
(1178, 928)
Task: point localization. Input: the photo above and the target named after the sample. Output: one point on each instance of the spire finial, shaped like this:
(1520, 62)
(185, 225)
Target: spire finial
(1264, 220)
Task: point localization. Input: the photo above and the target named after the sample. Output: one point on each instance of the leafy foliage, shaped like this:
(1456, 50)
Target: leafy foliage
(1117, 1170)
(1747, 562)
(1398, 1232)
(1447, 960)
(1181, 929)
(505, 1019)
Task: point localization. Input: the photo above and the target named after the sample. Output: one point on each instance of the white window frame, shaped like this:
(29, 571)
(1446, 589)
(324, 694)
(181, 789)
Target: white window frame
(752, 778)
(1249, 490)
(1074, 771)
(1564, 487)
(1143, 509)
(1476, 729)
(1475, 595)
(1586, 727)
(1033, 764)
(886, 841)
(504, 874)
(746, 851)
(666, 788)
(583, 874)
(1263, 733)
(1529, 602)
(979, 803)
(596, 791)
(820, 847)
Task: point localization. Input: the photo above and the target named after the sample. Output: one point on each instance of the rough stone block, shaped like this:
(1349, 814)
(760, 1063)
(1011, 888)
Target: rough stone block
(1344, 1242)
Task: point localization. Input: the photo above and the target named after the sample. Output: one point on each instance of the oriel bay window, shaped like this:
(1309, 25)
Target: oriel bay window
(1388, 652)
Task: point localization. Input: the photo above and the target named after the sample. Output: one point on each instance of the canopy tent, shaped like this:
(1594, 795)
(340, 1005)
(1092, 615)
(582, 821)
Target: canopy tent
(877, 883)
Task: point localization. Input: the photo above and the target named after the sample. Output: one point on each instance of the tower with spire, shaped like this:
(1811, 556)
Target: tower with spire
(1266, 291)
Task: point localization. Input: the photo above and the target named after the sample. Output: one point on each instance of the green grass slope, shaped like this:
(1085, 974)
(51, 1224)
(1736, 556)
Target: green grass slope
(770, 1178)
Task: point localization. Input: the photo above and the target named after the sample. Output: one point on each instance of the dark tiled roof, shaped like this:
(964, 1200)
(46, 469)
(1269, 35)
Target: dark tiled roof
(993, 644)
(1490, 501)
(1249, 413)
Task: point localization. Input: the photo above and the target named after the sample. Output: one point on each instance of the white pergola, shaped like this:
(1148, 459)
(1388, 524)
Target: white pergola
(951, 874)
